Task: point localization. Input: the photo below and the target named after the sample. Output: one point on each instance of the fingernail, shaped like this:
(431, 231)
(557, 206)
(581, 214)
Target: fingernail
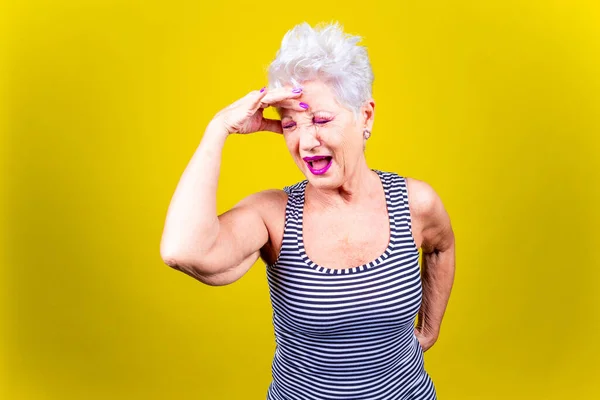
(304, 105)
(296, 90)
(262, 90)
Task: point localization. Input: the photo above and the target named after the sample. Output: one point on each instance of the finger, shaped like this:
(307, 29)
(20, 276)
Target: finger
(272, 125)
(280, 94)
(291, 105)
(255, 98)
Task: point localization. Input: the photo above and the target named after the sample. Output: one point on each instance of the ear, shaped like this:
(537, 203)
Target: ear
(367, 114)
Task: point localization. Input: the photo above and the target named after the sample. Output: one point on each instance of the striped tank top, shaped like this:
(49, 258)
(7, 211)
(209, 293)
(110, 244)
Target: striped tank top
(348, 333)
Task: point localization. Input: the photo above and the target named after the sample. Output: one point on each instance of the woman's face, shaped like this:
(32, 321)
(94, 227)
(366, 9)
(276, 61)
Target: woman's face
(325, 141)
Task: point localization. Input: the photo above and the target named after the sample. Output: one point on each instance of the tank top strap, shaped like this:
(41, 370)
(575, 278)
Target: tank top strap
(293, 221)
(397, 190)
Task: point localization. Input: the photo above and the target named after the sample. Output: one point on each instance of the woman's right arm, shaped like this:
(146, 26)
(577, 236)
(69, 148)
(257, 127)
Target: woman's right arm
(218, 250)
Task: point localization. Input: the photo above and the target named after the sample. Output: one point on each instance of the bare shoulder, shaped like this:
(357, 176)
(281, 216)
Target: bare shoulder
(432, 228)
(264, 199)
(422, 198)
(270, 205)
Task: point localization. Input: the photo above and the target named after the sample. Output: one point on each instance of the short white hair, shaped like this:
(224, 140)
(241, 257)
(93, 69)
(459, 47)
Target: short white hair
(326, 53)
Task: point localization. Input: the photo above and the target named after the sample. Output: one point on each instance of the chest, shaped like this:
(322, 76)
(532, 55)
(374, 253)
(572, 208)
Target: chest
(346, 239)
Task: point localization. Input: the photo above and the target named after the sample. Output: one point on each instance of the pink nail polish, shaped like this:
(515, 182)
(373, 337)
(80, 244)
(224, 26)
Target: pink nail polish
(304, 105)
(262, 90)
(297, 90)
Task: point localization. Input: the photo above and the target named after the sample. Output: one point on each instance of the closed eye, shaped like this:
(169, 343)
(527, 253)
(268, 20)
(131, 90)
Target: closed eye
(288, 125)
(321, 121)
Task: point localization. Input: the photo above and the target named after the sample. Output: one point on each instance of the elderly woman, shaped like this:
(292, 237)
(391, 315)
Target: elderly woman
(341, 248)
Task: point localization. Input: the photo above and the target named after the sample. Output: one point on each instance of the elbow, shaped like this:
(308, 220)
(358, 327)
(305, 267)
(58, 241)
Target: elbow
(174, 258)
(174, 254)
(168, 255)
(194, 265)
(170, 261)
(203, 266)
(206, 276)
(181, 255)
(173, 262)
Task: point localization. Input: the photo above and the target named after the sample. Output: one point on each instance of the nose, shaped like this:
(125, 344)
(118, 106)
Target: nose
(309, 137)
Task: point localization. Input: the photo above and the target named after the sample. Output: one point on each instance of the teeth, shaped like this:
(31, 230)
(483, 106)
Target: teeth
(310, 163)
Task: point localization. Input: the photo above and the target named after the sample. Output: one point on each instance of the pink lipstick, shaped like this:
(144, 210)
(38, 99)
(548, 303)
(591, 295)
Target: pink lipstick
(318, 165)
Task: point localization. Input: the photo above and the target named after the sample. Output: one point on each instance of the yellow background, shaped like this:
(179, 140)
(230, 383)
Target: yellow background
(496, 104)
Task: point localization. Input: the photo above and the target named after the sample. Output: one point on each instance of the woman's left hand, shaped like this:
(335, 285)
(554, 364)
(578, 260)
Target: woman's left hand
(425, 339)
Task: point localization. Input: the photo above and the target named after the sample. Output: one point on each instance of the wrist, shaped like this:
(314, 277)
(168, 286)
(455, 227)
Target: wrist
(216, 129)
(428, 331)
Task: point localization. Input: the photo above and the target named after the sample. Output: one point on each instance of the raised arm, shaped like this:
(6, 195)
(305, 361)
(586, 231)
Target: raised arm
(218, 250)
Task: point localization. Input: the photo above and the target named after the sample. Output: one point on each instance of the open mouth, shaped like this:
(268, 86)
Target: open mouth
(318, 165)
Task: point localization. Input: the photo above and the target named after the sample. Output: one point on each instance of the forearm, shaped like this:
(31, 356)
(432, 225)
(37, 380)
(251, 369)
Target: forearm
(437, 277)
(192, 224)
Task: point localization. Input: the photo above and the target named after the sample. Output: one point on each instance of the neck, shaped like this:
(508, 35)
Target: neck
(358, 186)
